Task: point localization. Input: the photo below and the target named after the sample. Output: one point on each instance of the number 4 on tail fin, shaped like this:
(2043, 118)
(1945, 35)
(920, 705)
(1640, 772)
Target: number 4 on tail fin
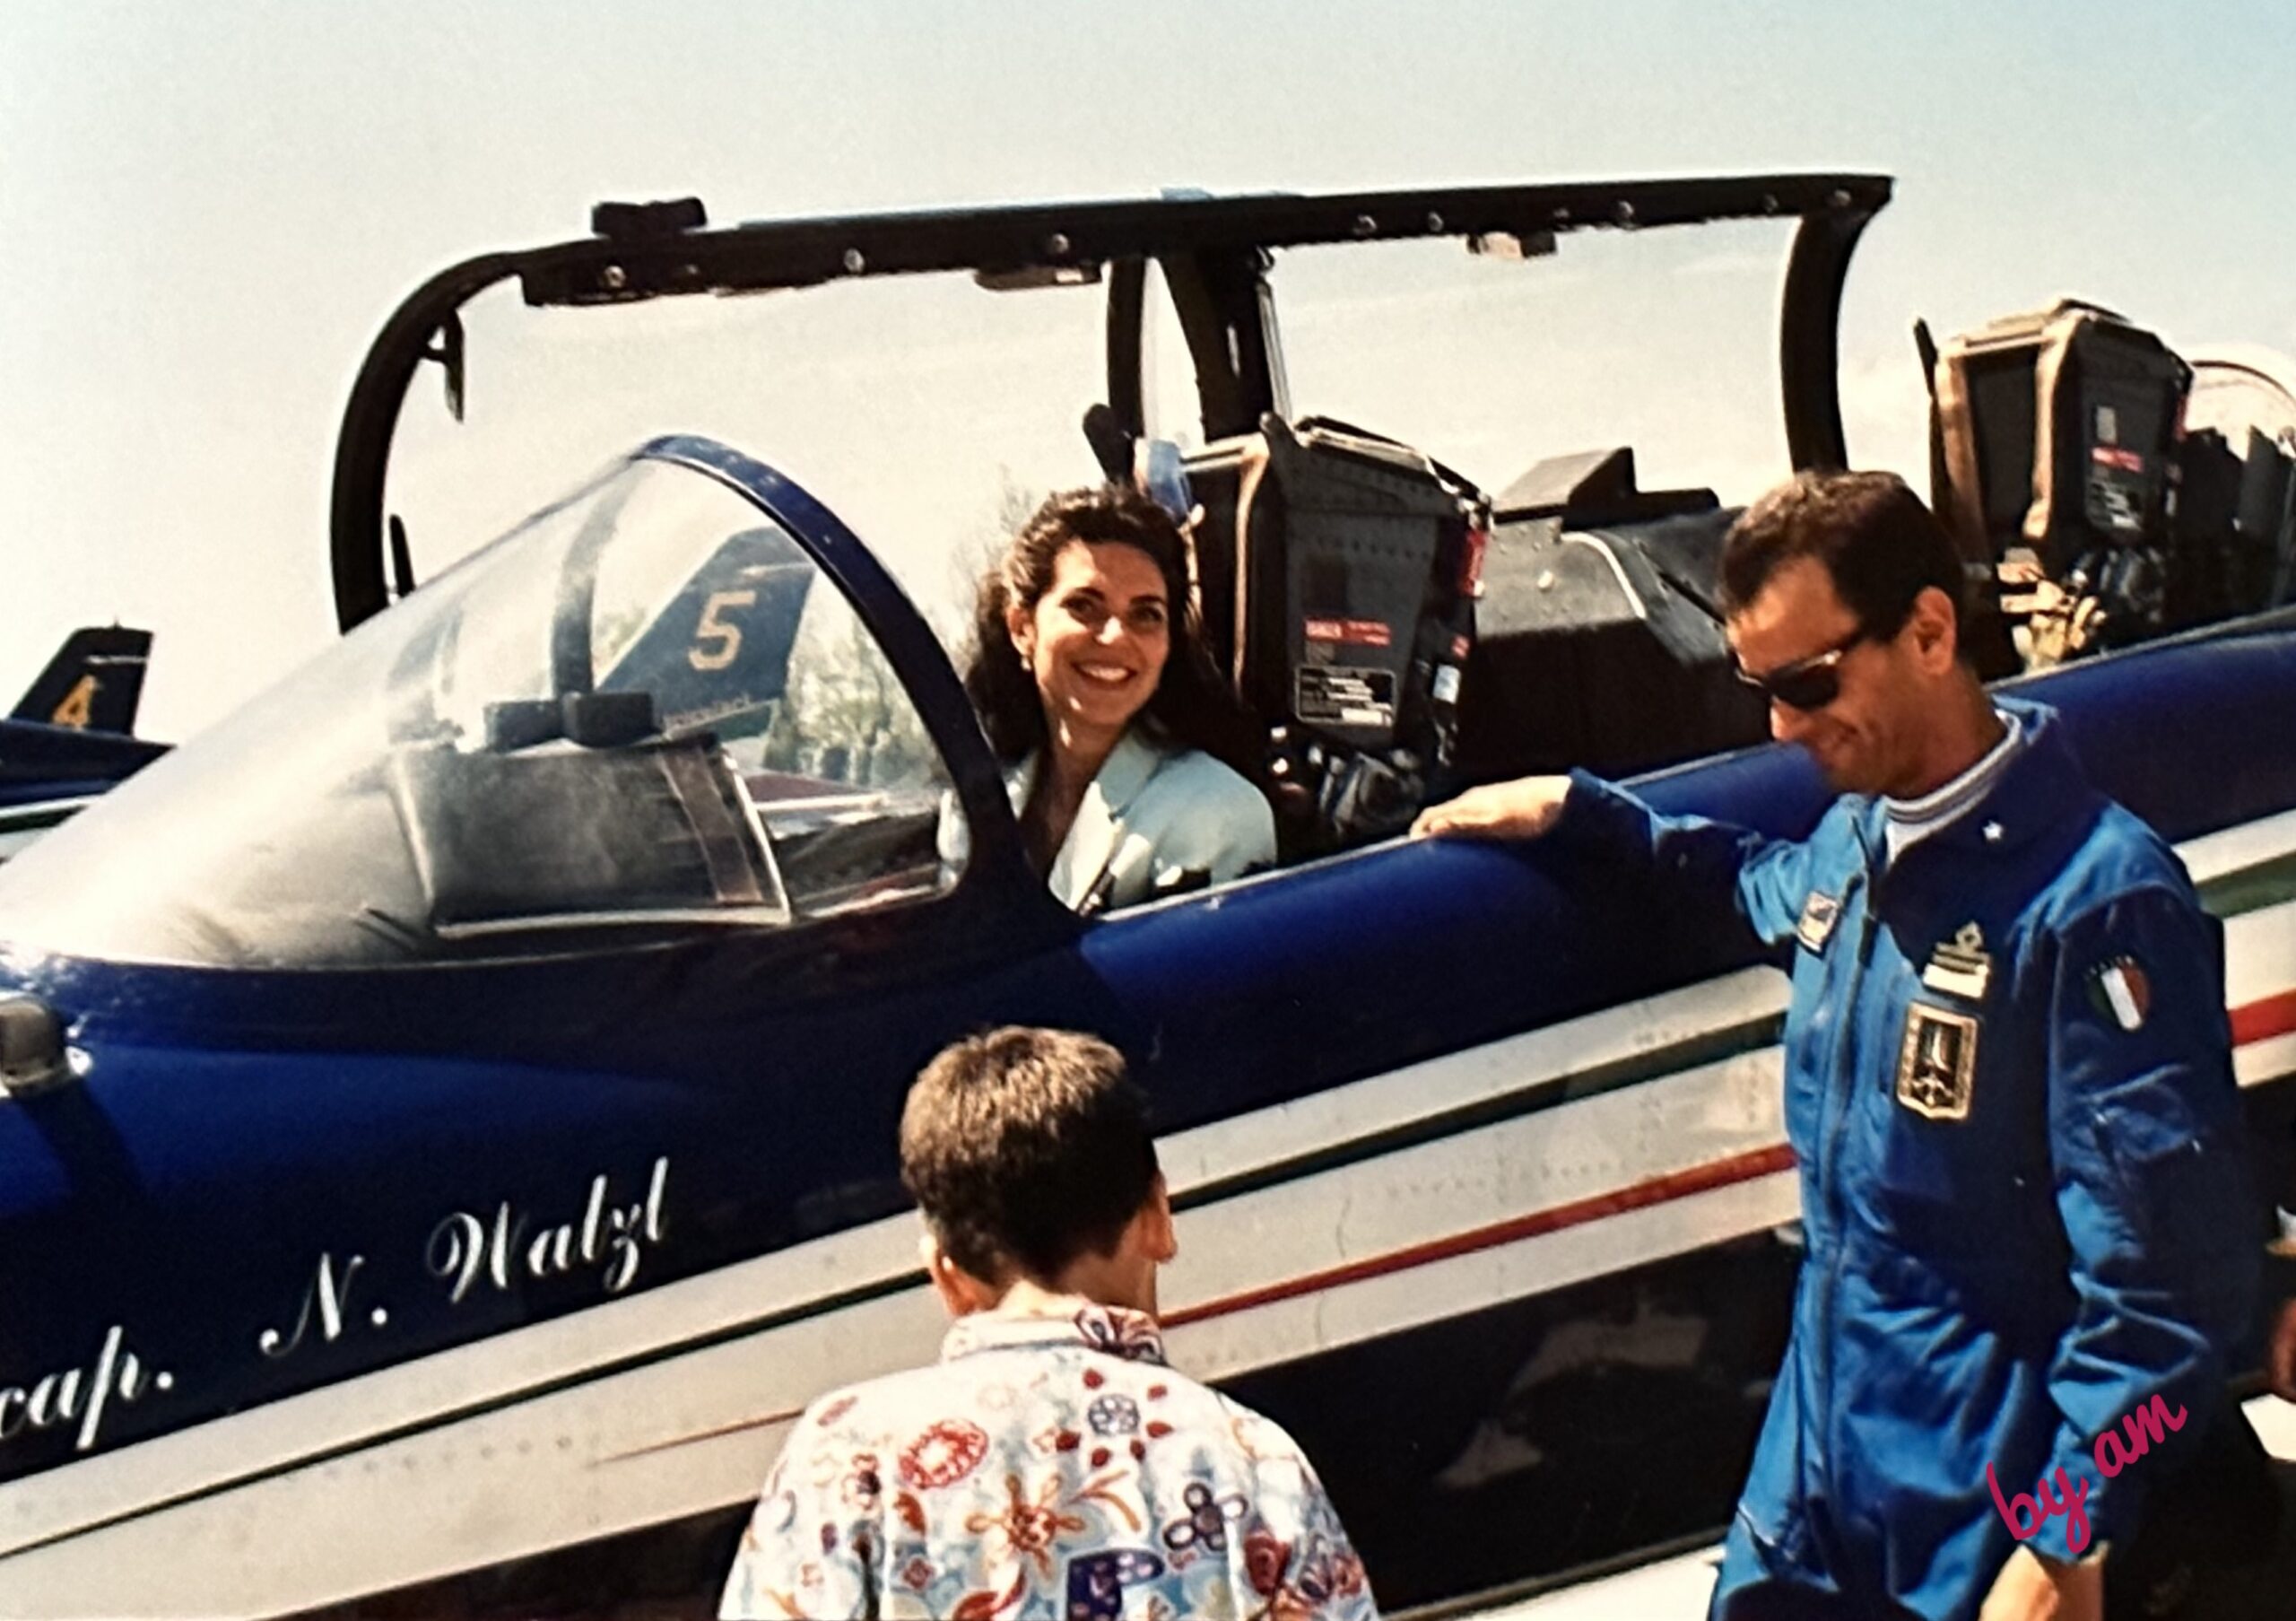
(93, 684)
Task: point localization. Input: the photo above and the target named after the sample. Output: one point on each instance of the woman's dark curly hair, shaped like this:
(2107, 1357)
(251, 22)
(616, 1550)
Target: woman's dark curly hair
(1191, 708)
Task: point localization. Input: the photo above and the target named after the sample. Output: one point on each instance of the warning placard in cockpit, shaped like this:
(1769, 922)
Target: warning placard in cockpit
(1345, 696)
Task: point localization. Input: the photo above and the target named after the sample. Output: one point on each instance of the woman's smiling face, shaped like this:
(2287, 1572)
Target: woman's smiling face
(1097, 639)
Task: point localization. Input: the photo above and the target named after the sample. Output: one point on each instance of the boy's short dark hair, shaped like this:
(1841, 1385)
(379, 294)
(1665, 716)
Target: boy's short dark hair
(1025, 1149)
(1880, 545)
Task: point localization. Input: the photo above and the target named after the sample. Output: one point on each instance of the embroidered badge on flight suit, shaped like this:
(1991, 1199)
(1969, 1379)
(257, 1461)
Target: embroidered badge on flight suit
(1960, 967)
(2121, 992)
(1938, 1063)
(1819, 914)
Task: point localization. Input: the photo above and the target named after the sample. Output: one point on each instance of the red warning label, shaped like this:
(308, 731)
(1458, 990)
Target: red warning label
(1357, 632)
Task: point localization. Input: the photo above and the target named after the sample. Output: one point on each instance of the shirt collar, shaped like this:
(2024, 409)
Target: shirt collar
(1122, 775)
(1092, 838)
(2037, 786)
(1910, 821)
(1116, 1330)
(1126, 769)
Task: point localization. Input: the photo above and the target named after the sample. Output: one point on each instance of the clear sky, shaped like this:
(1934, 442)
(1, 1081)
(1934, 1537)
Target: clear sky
(206, 211)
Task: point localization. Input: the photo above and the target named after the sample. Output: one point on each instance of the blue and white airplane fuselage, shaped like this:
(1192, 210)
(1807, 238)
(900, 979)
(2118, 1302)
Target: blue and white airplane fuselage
(449, 1105)
(550, 1244)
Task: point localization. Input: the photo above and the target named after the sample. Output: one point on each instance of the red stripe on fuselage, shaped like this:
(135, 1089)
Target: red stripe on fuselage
(2260, 1020)
(1656, 1191)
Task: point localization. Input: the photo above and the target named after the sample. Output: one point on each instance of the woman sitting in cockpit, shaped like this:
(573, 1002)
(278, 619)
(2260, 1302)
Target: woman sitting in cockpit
(1124, 754)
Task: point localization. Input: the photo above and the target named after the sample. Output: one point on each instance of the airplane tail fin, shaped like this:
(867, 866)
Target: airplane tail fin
(93, 684)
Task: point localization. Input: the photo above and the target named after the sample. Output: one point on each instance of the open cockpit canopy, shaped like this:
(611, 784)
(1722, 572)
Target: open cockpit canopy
(1183, 316)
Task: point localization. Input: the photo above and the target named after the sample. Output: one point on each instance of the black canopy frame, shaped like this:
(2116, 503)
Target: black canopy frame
(1214, 251)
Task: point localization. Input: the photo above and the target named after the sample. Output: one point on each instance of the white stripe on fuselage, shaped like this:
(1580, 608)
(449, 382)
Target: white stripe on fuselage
(693, 1431)
(2250, 844)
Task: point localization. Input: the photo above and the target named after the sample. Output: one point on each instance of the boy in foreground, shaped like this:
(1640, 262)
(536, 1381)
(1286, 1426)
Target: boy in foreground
(1050, 1464)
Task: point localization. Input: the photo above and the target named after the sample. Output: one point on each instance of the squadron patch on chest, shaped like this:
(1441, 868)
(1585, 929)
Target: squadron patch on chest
(1819, 914)
(1938, 1063)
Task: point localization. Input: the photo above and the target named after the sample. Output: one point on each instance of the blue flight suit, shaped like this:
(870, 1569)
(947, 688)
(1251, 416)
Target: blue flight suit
(2024, 1187)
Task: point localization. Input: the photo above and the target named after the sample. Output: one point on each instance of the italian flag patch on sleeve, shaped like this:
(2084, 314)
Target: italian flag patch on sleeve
(2121, 992)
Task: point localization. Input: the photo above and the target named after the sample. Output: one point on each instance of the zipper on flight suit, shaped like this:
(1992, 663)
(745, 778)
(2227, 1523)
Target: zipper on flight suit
(1841, 1099)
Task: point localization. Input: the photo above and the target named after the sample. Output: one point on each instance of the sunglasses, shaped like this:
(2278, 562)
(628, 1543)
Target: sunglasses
(1806, 684)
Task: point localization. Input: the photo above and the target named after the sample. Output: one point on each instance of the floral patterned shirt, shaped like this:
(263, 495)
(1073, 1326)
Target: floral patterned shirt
(1046, 1467)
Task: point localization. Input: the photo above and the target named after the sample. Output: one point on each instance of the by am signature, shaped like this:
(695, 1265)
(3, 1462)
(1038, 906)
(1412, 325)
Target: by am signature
(2144, 1426)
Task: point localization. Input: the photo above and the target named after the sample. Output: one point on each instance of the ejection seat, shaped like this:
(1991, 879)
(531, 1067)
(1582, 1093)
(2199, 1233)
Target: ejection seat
(1338, 571)
(2087, 514)
(1400, 640)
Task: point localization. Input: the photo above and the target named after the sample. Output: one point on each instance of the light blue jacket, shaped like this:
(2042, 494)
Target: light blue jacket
(2009, 1086)
(1156, 820)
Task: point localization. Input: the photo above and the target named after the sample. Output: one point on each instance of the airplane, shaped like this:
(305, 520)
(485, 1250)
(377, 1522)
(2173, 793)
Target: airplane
(451, 1103)
(72, 735)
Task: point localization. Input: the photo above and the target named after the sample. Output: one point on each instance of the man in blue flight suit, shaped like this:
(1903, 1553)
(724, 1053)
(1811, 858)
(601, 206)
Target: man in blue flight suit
(2008, 1084)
